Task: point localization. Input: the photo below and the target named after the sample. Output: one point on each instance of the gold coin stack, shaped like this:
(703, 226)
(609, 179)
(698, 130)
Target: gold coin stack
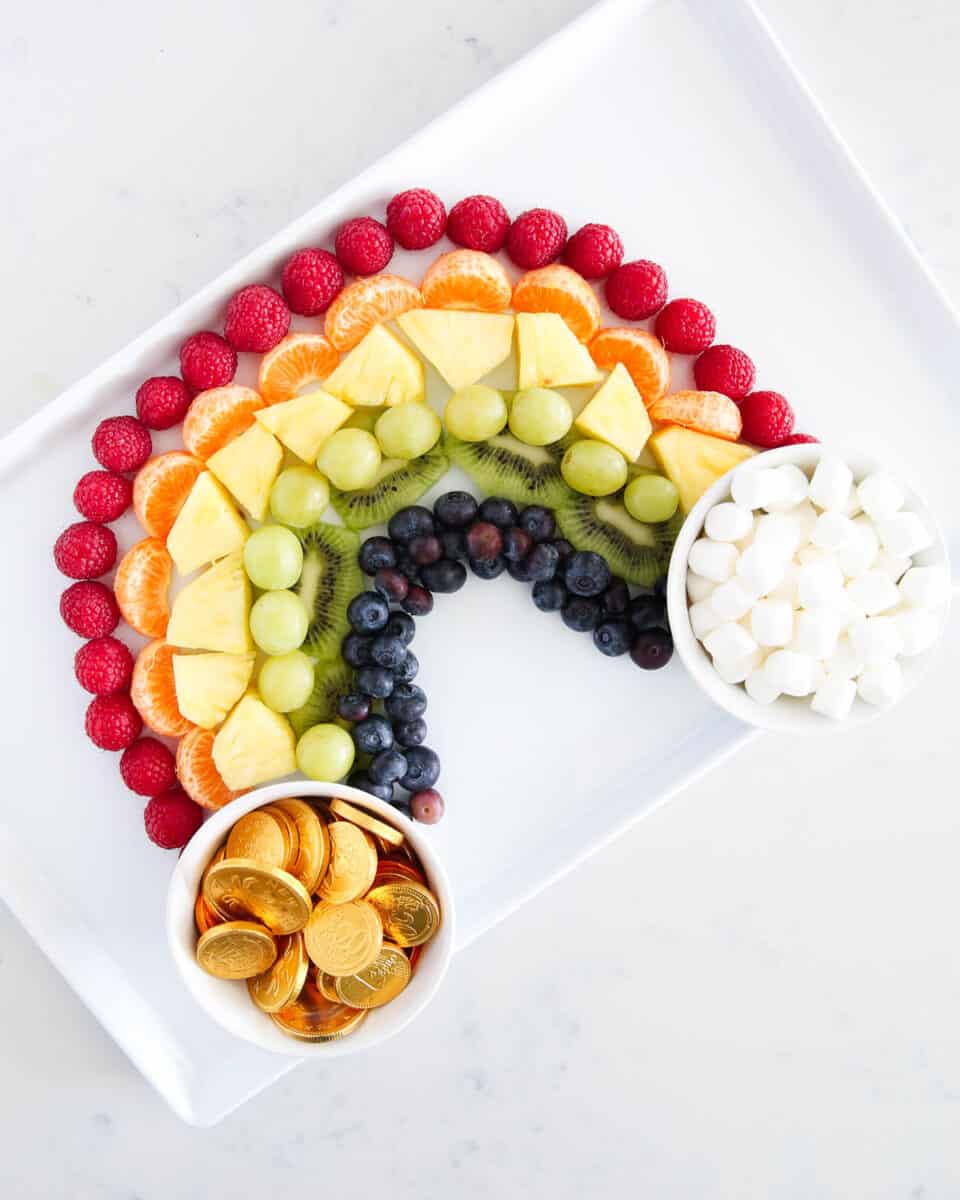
(300, 884)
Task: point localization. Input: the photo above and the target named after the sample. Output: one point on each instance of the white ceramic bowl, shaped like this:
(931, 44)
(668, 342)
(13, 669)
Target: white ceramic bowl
(787, 714)
(228, 1002)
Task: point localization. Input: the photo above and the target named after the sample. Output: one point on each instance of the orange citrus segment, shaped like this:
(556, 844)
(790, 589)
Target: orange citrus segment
(707, 412)
(218, 416)
(365, 303)
(160, 488)
(300, 360)
(197, 772)
(467, 279)
(141, 584)
(153, 692)
(560, 290)
(641, 353)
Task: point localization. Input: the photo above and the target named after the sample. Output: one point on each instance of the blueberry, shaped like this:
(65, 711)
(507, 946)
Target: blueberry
(455, 509)
(502, 513)
(564, 549)
(488, 568)
(484, 540)
(652, 649)
(386, 651)
(410, 733)
(356, 650)
(612, 638)
(581, 614)
(418, 602)
(407, 669)
(519, 571)
(454, 544)
(444, 576)
(538, 522)
(407, 567)
(391, 584)
(424, 550)
(517, 544)
(361, 780)
(387, 767)
(542, 561)
(549, 595)
(353, 707)
(375, 554)
(646, 612)
(375, 681)
(616, 598)
(407, 702)
(660, 587)
(423, 769)
(586, 573)
(410, 523)
(373, 734)
(368, 612)
(401, 626)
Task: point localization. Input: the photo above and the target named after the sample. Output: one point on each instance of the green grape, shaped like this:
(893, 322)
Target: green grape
(273, 557)
(325, 752)
(285, 682)
(540, 416)
(299, 497)
(651, 498)
(408, 430)
(350, 459)
(476, 413)
(278, 622)
(594, 468)
(365, 417)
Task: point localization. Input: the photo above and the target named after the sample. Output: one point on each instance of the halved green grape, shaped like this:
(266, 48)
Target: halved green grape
(298, 497)
(651, 498)
(279, 622)
(325, 752)
(408, 430)
(285, 682)
(273, 557)
(475, 413)
(594, 468)
(540, 416)
(350, 459)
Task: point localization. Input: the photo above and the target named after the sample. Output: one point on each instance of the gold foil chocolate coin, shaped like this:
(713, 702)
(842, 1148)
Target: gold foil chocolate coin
(328, 985)
(396, 869)
(377, 984)
(259, 836)
(359, 816)
(282, 983)
(236, 950)
(203, 915)
(313, 855)
(240, 886)
(343, 938)
(408, 912)
(353, 864)
(314, 1018)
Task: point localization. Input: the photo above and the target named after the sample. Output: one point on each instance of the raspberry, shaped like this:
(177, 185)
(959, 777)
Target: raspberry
(363, 246)
(172, 819)
(103, 665)
(162, 401)
(724, 369)
(536, 238)
(85, 550)
(767, 419)
(311, 279)
(257, 318)
(121, 444)
(102, 496)
(416, 218)
(685, 326)
(799, 439)
(112, 722)
(207, 361)
(90, 609)
(148, 768)
(637, 290)
(594, 251)
(479, 223)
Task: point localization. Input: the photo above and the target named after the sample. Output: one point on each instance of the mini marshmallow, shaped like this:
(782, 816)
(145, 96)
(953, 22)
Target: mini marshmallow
(713, 560)
(859, 553)
(818, 583)
(853, 507)
(919, 629)
(777, 529)
(874, 592)
(728, 522)
(786, 589)
(762, 566)
(737, 672)
(832, 532)
(803, 517)
(729, 643)
(816, 633)
(834, 698)
(881, 682)
(844, 661)
(810, 554)
(925, 587)
(792, 673)
(795, 488)
(771, 622)
(904, 534)
(847, 613)
(876, 638)
(698, 586)
(830, 485)
(894, 566)
(880, 495)
(704, 618)
(733, 599)
(760, 688)
(758, 488)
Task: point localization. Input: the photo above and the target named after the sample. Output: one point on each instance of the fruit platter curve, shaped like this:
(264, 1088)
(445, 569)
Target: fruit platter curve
(285, 556)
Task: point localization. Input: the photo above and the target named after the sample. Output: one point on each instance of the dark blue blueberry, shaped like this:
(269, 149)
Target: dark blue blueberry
(425, 550)
(418, 602)
(612, 638)
(407, 567)
(454, 544)
(646, 612)
(368, 612)
(353, 707)
(519, 571)
(376, 682)
(386, 651)
(488, 568)
(402, 626)
(455, 509)
(375, 554)
(373, 734)
(407, 702)
(538, 522)
(361, 780)
(581, 614)
(356, 650)
(423, 769)
(391, 584)
(387, 767)
(616, 599)
(410, 733)
(660, 587)
(502, 513)
(652, 649)
(586, 573)
(542, 562)
(549, 595)
(407, 669)
(564, 549)
(444, 576)
(409, 523)
(517, 544)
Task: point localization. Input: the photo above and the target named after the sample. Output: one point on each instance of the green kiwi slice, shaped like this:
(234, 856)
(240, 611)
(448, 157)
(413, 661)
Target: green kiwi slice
(400, 482)
(636, 552)
(330, 579)
(505, 466)
(331, 681)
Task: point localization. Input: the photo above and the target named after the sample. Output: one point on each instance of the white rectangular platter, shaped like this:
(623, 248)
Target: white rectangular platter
(682, 124)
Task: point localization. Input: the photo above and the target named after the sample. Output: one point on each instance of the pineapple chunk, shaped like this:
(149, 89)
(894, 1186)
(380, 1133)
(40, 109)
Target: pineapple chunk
(463, 346)
(378, 370)
(212, 612)
(209, 685)
(618, 415)
(550, 354)
(304, 423)
(695, 461)
(248, 466)
(254, 745)
(207, 527)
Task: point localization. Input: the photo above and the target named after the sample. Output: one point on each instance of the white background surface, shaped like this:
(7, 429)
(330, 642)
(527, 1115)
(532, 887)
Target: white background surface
(755, 992)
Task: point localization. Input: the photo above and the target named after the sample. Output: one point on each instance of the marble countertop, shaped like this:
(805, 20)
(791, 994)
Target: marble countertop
(781, 1021)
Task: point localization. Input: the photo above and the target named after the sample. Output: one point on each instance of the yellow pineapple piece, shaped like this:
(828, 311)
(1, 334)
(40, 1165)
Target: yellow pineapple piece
(247, 466)
(378, 370)
(207, 527)
(209, 685)
(212, 612)
(463, 346)
(254, 745)
(695, 461)
(618, 415)
(304, 423)
(550, 354)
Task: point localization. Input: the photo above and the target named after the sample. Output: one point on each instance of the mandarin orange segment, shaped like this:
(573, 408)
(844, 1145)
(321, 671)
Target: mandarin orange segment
(141, 585)
(707, 412)
(559, 289)
(218, 416)
(641, 353)
(160, 488)
(365, 303)
(466, 279)
(154, 693)
(296, 363)
(197, 771)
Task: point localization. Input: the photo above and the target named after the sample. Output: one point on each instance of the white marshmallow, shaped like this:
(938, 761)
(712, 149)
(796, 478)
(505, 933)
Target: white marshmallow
(853, 507)
(874, 592)
(881, 682)
(791, 672)
(834, 698)
(704, 618)
(728, 522)
(904, 534)
(832, 532)
(925, 587)
(733, 599)
(771, 622)
(737, 672)
(757, 488)
(698, 586)
(777, 529)
(919, 629)
(729, 643)
(816, 633)
(804, 517)
(844, 661)
(846, 611)
(760, 688)
(762, 566)
(795, 488)
(786, 589)
(894, 566)
(809, 553)
(713, 560)
(830, 485)
(880, 495)
(818, 583)
(860, 552)
(876, 638)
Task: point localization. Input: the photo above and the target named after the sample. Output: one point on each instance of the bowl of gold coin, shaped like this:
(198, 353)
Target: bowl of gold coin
(310, 918)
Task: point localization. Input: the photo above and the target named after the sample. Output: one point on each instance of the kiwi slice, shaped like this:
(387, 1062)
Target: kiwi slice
(329, 581)
(505, 466)
(331, 681)
(636, 552)
(399, 482)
